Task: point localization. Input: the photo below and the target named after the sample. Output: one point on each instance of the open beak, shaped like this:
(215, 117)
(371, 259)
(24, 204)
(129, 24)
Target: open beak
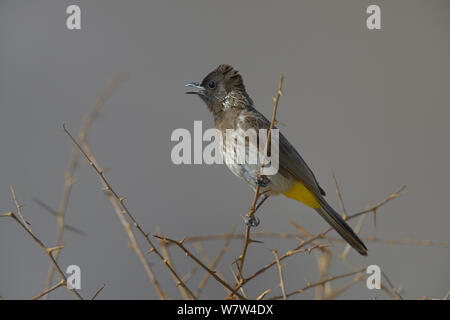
(195, 85)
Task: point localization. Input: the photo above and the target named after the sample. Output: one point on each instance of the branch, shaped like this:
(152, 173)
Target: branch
(320, 236)
(19, 209)
(258, 193)
(97, 292)
(262, 295)
(319, 283)
(219, 256)
(201, 264)
(69, 180)
(280, 274)
(166, 253)
(120, 201)
(339, 194)
(48, 251)
(56, 286)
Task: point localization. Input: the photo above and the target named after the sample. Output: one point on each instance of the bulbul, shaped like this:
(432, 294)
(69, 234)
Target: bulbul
(225, 96)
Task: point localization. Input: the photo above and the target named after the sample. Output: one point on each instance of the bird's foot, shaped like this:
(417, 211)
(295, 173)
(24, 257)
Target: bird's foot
(251, 221)
(262, 181)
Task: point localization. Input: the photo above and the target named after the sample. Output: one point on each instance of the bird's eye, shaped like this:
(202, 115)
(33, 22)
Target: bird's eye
(211, 84)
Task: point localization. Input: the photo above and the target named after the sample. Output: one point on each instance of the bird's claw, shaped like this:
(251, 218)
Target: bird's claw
(262, 181)
(251, 221)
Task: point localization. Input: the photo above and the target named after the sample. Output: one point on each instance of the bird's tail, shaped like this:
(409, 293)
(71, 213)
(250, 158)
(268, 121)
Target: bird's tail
(335, 220)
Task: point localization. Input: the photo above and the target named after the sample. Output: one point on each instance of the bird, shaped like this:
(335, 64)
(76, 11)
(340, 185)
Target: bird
(224, 93)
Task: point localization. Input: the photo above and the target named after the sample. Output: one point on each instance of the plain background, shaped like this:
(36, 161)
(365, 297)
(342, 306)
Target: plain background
(371, 105)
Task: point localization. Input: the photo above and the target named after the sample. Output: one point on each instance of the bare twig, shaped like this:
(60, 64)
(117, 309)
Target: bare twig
(124, 210)
(280, 273)
(69, 180)
(273, 263)
(135, 246)
(213, 266)
(342, 258)
(240, 236)
(48, 251)
(323, 258)
(56, 286)
(262, 295)
(375, 207)
(352, 267)
(201, 264)
(394, 289)
(334, 294)
(165, 251)
(323, 263)
(97, 292)
(19, 209)
(312, 285)
(446, 296)
(236, 279)
(251, 213)
(357, 229)
(339, 194)
(321, 235)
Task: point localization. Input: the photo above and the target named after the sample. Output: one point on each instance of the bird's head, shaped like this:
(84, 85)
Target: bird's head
(217, 86)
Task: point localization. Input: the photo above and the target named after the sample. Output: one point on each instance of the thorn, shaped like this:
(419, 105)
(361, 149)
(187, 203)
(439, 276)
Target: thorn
(375, 217)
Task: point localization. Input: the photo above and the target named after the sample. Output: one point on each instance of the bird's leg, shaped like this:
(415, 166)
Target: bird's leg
(262, 181)
(251, 220)
(264, 198)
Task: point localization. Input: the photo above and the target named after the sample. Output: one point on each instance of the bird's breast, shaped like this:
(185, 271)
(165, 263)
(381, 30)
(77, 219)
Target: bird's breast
(242, 156)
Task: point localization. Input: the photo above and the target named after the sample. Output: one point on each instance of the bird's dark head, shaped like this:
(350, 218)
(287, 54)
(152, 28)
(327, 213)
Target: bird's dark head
(218, 85)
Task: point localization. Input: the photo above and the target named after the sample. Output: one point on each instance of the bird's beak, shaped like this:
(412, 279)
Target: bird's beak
(195, 85)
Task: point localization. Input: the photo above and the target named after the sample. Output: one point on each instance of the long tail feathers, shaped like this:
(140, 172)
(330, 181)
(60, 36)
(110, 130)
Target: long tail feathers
(335, 220)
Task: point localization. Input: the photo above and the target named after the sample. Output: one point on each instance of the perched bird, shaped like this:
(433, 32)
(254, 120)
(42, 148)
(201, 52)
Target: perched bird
(224, 93)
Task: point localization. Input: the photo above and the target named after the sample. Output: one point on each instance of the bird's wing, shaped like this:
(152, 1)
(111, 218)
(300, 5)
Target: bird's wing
(291, 164)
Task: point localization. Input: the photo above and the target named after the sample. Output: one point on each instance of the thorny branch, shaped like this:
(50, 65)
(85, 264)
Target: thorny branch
(247, 240)
(201, 264)
(69, 175)
(321, 235)
(124, 211)
(319, 283)
(48, 251)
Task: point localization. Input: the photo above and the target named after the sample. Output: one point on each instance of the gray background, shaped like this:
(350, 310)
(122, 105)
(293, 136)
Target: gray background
(372, 105)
